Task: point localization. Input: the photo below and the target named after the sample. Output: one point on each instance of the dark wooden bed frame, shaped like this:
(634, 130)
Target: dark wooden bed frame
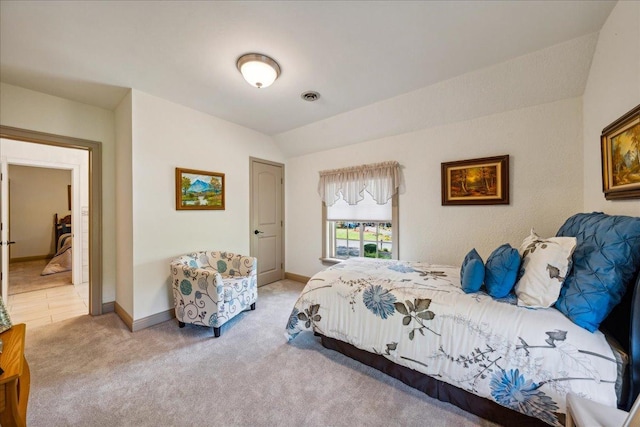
(61, 226)
(623, 324)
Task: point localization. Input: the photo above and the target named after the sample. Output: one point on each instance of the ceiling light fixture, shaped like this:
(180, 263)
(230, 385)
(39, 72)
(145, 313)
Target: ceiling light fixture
(258, 70)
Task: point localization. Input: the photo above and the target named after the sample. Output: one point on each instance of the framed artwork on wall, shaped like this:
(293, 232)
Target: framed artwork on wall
(483, 181)
(199, 190)
(620, 144)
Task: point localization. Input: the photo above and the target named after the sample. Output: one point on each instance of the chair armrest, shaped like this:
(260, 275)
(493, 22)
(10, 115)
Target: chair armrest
(187, 280)
(248, 266)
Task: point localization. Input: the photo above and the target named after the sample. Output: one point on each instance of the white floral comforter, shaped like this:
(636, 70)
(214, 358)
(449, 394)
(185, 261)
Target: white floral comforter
(416, 315)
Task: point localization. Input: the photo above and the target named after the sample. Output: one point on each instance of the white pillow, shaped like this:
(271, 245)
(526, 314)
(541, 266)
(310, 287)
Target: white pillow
(545, 264)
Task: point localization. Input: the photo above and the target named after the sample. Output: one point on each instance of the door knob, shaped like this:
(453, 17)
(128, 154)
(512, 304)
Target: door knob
(258, 232)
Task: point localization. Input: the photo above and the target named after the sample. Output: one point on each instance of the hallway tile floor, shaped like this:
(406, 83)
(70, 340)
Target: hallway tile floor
(48, 306)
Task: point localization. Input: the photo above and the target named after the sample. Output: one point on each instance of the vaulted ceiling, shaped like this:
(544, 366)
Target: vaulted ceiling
(355, 54)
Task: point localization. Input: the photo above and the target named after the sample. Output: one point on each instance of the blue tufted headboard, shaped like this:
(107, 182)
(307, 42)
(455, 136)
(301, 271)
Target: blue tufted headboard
(623, 323)
(602, 291)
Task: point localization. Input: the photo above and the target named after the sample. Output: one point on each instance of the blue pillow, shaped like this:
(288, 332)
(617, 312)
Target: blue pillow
(606, 258)
(472, 272)
(501, 270)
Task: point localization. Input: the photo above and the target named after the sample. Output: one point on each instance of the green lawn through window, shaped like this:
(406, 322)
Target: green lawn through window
(341, 233)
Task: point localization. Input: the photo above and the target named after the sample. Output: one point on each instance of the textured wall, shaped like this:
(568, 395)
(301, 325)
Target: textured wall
(613, 88)
(36, 195)
(124, 205)
(545, 145)
(166, 136)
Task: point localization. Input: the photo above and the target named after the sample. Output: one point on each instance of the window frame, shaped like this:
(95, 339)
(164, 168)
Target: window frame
(328, 240)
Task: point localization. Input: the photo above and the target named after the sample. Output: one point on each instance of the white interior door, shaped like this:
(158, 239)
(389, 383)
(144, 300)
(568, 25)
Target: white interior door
(4, 234)
(267, 219)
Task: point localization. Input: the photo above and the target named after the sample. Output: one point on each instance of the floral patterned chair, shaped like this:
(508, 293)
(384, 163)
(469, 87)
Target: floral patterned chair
(210, 288)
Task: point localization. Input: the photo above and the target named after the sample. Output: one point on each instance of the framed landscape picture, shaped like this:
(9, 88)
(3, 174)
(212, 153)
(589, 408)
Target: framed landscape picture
(620, 143)
(482, 181)
(199, 190)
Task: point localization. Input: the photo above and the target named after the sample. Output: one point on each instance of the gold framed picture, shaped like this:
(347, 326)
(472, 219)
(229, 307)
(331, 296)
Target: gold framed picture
(199, 190)
(620, 143)
(483, 181)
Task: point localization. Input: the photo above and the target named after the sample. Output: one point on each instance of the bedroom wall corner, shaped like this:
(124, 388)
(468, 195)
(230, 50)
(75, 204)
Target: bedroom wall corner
(165, 136)
(613, 88)
(124, 205)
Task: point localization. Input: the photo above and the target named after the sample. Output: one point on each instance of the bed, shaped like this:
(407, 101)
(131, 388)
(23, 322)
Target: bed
(61, 226)
(510, 364)
(62, 260)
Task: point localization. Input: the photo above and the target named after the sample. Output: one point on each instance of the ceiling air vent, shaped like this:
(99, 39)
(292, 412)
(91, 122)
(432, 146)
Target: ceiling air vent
(310, 96)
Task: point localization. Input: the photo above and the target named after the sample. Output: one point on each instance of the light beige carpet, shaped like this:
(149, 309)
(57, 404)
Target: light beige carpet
(25, 277)
(94, 372)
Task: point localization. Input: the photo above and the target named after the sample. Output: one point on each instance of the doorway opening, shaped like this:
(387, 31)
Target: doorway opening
(92, 212)
(48, 266)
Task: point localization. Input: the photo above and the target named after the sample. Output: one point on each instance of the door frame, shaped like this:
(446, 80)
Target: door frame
(94, 149)
(252, 226)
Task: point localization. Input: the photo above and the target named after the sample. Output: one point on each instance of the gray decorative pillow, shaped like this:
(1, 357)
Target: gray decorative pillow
(545, 264)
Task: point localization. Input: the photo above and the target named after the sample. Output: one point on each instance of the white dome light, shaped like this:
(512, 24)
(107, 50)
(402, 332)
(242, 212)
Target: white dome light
(258, 70)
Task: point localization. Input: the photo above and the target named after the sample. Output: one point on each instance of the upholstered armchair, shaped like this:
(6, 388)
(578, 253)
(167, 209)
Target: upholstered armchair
(211, 288)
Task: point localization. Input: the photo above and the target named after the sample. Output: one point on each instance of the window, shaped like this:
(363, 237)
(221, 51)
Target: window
(368, 239)
(364, 229)
(368, 226)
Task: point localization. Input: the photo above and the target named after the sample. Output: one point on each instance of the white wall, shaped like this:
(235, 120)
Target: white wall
(124, 205)
(545, 145)
(36, 111)
(613, 88)
(37, 194)
(165, 136)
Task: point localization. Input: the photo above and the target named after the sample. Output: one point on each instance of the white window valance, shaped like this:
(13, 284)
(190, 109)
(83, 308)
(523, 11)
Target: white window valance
(380, 180)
